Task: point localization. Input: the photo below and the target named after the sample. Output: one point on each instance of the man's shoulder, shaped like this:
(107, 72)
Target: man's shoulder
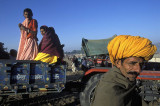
(111, 84)
(115, 78)
(111, 74)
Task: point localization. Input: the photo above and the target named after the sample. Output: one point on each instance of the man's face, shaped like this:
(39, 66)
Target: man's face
(42, 31)
(131, 67)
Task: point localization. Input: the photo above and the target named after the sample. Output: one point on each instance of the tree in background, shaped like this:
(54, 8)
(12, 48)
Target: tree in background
(13, 54)
(3, 53)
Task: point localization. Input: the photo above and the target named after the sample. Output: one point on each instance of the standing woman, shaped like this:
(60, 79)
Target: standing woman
(28, 46)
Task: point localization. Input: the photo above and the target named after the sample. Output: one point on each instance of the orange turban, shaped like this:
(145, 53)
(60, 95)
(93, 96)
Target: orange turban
(124, 46)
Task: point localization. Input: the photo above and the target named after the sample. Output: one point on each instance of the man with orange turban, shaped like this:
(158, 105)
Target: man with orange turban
(118, 86)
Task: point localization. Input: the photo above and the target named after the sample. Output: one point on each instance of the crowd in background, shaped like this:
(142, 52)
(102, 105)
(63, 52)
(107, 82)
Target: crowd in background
(79, 62)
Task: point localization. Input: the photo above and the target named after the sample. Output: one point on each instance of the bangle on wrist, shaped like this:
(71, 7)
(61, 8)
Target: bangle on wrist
(28, 30)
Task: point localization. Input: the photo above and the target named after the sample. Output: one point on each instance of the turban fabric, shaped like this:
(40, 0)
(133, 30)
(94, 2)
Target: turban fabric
(124, 46)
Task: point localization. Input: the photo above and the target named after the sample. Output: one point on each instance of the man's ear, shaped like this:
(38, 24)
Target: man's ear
(118, 63)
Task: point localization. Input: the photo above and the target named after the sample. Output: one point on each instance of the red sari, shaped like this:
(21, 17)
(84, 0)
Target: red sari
(28, 46)
(50, 49)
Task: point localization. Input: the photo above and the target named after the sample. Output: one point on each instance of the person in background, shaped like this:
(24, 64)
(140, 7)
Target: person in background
(107, 59)
(118, 86)
(50, 48)
(84, 64)
(28, 46)
(75, 61)
(79, 60)
(13, 54)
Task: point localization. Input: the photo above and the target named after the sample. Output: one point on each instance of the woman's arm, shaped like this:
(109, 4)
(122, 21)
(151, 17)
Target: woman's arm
(27, 29)
(32, 29)
(21, 27)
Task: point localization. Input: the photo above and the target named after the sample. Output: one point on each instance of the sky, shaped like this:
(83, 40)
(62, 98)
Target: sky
(77, 19)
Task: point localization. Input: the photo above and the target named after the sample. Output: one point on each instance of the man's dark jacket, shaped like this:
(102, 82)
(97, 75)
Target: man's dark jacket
(114, 89)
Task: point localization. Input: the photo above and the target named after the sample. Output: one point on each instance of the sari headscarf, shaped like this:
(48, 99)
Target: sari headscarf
(50, 43)
(28, 47)
(124, 46)
(50, 49)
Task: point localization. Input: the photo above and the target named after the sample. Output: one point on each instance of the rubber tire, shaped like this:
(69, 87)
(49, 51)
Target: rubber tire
(89, 89)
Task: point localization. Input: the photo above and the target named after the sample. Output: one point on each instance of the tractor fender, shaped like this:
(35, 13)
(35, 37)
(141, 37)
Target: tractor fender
(96, 70)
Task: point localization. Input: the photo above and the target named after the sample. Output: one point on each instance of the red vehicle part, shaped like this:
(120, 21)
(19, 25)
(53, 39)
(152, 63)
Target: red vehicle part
(144, 75)
(149, 75)
(99, 61)
(96, 70)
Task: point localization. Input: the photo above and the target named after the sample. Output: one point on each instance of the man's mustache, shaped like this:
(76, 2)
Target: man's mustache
(133, 73)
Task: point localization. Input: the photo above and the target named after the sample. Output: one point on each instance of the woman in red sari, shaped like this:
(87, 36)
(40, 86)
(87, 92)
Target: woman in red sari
(28, 46)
